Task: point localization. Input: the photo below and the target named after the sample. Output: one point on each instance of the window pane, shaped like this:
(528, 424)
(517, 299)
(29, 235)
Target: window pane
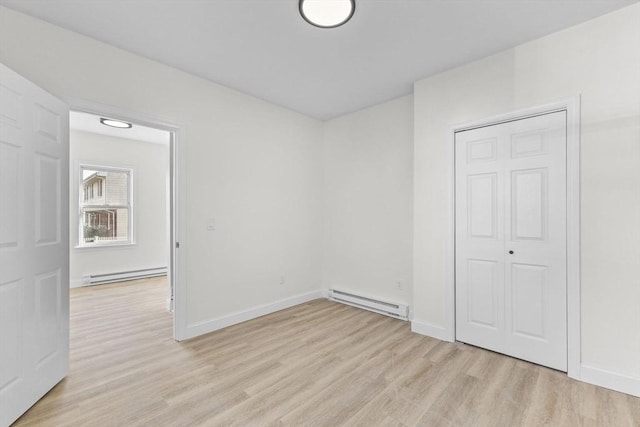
(100, 187)
(105, 206)
(117, 188)
(91, 180)
(105, 225)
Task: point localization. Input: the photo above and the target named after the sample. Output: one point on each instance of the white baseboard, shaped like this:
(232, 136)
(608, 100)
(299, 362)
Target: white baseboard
(200, 328)
(75, 283)
(430, 330)
(588, 374)
(611, 380)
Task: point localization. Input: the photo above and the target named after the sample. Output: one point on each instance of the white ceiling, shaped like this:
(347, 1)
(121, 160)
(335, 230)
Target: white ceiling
(264, 48)
(90, 123)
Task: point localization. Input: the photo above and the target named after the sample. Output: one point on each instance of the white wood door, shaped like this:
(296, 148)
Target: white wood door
(511, 273)
(34, 243)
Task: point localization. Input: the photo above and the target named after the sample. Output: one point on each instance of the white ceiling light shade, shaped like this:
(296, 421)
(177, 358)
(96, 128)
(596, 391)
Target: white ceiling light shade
(327, 13)
(115, 123)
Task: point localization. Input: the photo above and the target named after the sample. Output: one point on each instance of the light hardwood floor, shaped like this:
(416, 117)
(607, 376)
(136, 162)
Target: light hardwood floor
(317, 364)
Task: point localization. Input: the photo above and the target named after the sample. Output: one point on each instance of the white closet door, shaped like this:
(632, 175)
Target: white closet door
(511, 292)
(34, 243)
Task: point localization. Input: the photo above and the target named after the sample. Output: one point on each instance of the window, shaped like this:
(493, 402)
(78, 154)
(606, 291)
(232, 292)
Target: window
(105, 206)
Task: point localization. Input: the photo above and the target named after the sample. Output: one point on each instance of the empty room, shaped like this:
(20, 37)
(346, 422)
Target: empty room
(320, 213)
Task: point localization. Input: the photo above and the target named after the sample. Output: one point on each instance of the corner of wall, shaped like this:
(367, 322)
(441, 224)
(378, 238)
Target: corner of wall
(430, 330)
(200, 328)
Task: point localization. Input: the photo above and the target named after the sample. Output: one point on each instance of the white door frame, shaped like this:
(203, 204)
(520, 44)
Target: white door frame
(572, 107)
(177, 223)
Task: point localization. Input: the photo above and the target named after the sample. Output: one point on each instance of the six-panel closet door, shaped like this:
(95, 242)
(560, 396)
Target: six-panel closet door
(510, 222)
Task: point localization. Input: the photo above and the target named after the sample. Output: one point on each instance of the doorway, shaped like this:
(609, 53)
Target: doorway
(119, 210)
(173, 182)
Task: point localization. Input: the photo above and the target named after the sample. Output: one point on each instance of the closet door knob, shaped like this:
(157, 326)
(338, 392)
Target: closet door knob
(510, 252)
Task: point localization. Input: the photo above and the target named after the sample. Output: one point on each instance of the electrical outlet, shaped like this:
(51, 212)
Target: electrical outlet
(399, 285)
(283, 280)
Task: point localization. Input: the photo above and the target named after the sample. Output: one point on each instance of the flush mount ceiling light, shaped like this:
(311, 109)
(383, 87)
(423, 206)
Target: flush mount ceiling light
(327, 13)
(115, 123)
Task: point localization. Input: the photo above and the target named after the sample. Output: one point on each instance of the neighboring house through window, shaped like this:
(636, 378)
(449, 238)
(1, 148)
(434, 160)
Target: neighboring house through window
(105, 208)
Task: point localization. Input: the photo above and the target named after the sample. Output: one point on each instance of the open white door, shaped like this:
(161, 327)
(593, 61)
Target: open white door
(34, 243)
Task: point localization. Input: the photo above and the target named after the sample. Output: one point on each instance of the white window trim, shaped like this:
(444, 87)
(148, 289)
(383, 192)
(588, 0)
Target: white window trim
(80, 244)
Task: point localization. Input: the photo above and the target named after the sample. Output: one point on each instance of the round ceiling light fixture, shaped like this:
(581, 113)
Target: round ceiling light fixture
(115, 123)
(327, 13)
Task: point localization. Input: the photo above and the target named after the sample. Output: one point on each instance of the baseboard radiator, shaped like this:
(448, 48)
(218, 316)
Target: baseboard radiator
(99, 279)
(399, 311)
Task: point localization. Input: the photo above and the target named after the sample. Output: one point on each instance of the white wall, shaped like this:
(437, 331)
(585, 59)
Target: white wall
(150, 164)
(368, 174)
(600, 60)
(252, 166)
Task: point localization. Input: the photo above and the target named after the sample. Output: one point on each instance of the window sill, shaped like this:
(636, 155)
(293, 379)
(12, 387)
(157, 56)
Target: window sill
(106, 245)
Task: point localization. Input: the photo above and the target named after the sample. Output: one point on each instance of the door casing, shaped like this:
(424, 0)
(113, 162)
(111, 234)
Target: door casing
(572, 107)
(177, 212)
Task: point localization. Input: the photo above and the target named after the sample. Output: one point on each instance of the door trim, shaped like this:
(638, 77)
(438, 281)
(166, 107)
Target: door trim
(177, 223)
(572, 107)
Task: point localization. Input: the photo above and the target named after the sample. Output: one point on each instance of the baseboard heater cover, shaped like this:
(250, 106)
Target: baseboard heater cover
(399, 311)
(99, 279)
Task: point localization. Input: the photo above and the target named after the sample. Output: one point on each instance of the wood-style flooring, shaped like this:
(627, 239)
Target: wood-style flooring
(316, 364)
